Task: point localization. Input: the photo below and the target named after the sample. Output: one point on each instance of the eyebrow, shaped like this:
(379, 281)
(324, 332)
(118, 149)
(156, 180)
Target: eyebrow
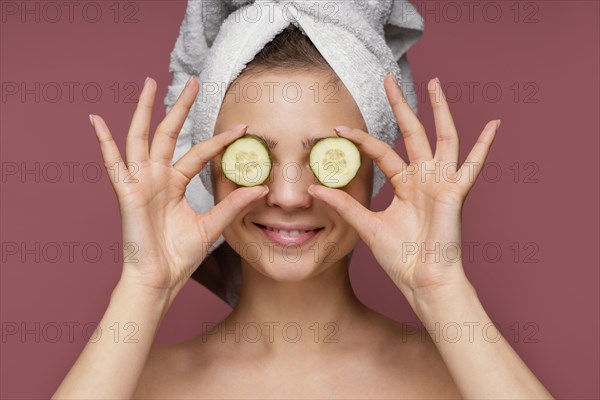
(271, 143)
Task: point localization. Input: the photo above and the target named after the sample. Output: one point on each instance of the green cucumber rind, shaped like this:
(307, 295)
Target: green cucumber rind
(230, 148)
(316, 173)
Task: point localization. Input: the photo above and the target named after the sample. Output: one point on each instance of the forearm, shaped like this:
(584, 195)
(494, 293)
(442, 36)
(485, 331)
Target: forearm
(481, 361)
(112, 361)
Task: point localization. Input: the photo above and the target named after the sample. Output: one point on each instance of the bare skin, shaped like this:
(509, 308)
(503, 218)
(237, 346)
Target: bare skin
(371, 356)
(351, 351)
(367, 355)
(373, 364)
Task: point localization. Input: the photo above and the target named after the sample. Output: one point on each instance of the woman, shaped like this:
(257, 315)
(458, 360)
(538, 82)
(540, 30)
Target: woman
(298, 330)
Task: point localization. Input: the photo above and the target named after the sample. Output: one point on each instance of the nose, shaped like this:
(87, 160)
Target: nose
(288, 186)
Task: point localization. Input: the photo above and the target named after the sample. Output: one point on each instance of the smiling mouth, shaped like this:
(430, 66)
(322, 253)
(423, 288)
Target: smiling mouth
(287, 233)
(292, 237)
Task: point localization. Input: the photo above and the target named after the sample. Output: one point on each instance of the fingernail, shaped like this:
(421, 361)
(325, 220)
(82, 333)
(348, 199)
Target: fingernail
(92, 120)
(189, 80)
(239, 127)
(497, 124)
(343, 129)
(437, 80)
(393, 77)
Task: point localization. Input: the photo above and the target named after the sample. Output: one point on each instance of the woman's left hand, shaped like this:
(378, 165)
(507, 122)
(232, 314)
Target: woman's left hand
(417, 239)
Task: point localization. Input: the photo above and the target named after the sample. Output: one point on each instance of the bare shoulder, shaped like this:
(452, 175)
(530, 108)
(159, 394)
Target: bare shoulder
(162, 374)
(391, 360)
(410, 352)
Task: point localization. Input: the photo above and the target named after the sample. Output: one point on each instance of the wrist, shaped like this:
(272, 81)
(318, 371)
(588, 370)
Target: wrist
(142, 298)
(446, 302)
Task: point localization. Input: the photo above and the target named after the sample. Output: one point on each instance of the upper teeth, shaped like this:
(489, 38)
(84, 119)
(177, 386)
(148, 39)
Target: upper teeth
(287, 233)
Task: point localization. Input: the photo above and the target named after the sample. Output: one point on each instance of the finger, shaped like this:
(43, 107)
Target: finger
(415, 139)
(196, 158)
(165, 138)
(473, 165)
(363, 220)
(113, 162)
(214, 222)
(447, 145)
(136, 146)
(390, 162)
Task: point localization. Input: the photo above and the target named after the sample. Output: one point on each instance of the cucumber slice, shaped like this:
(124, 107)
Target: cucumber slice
(246, 161)
(334, 161)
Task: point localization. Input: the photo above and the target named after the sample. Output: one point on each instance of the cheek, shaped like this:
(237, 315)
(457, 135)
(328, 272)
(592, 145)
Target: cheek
(342, 242)
(235, 233)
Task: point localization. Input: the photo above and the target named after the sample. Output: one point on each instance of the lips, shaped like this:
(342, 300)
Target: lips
(293, 235)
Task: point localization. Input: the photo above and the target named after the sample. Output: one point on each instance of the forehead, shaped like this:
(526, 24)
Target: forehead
(276, 99)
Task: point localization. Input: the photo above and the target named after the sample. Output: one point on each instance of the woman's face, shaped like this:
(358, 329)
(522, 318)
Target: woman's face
(288, 108)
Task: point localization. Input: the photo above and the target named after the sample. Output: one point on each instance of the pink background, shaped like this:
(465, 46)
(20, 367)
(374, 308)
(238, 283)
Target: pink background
(544, 59)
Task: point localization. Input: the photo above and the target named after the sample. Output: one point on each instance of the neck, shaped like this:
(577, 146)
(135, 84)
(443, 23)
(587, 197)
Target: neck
(296, 316)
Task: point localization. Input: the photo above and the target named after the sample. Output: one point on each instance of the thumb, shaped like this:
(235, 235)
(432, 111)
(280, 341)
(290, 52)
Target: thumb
(360, 218)
(222, 214)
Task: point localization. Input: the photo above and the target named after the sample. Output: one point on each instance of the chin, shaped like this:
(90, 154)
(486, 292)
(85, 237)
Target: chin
(282, 270)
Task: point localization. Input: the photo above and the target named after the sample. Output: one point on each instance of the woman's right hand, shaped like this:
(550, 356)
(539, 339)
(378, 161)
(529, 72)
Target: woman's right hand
(164, 239)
